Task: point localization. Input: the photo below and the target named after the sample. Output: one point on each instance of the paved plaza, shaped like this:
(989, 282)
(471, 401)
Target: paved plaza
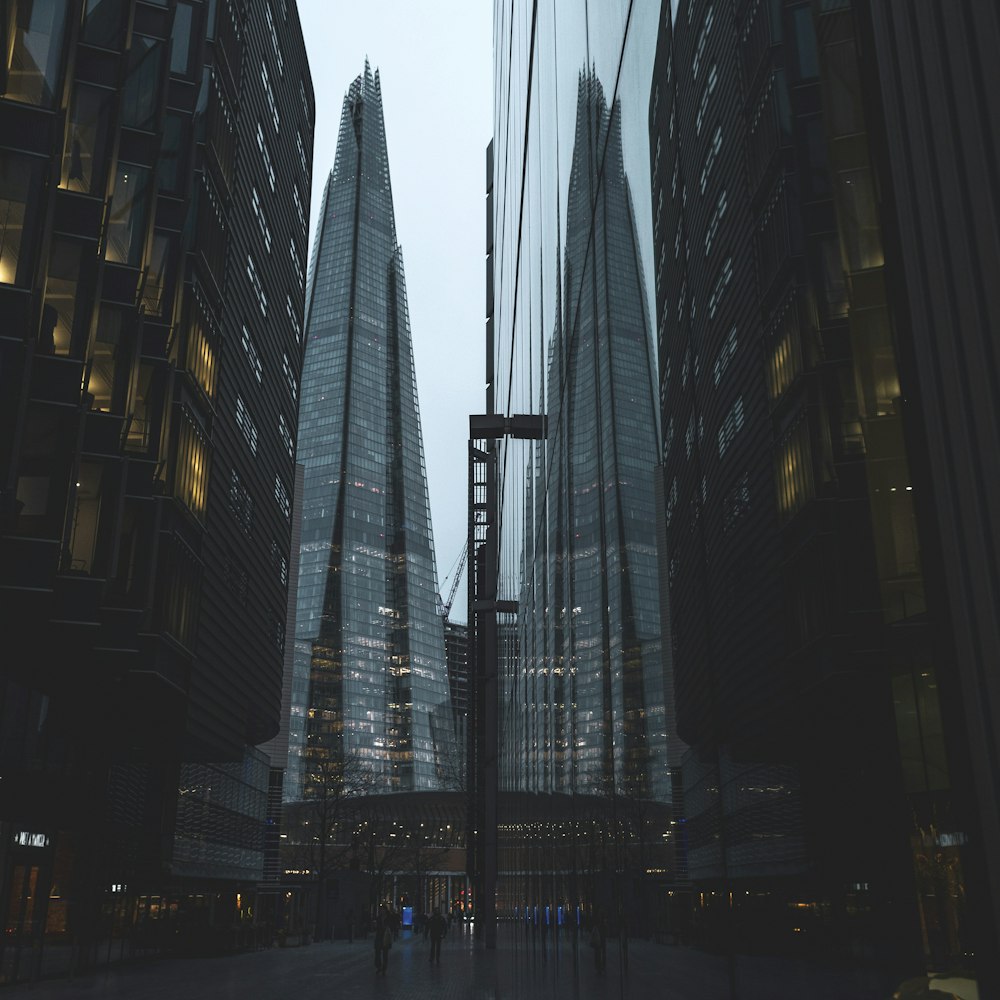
(519, 968)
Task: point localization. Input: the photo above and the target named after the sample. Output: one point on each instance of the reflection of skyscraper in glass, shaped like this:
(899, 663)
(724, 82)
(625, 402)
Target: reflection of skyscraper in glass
(370, 677)
(590, 684)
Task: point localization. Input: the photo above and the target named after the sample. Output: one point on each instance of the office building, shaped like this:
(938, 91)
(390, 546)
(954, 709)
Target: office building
(371, 686)
(154, 178)
(827, 794)
(568, 447)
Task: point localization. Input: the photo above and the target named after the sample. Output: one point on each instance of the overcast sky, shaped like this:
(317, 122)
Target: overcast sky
(435, 62)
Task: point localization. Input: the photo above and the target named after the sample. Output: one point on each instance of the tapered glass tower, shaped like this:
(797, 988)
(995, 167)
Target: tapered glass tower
(370, 683)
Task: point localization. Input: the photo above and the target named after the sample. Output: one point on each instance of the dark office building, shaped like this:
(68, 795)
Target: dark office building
(456, 653)
(371, 685)
(154, 178)
(826, 790)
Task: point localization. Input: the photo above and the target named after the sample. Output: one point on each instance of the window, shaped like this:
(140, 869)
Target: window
(296, 263)
(736, 502)
(298, 206)
(713, 79)
(286, 435)
(293, 317)
(305, 99)
(157, 289)
(180, 46)
(191, 466)
(281, 495)
(671, 504)
(240, 501)
(689, 437)
(265, 156)
(713, 225)
(783, 362)
(258, 211)
(713, 151)
(269, 94)
(293, 388)
(668, 438)
(726, 353)
(274, 40)
(245, 423)
(702, 41)
(33, 47)
(256, 285)
(731, 426)
(794, 470)
(276, 632)
(279, 560)
(303, 159)
(252, 356)
(720, 286)
(200, 355)
(141, 94)
(85, 156)
(126, 230)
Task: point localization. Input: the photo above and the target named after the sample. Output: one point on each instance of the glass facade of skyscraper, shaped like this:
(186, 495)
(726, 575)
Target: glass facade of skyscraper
(582, 676)
(370, 681)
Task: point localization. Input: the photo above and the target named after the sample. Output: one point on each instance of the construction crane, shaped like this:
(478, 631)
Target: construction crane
(444, 607)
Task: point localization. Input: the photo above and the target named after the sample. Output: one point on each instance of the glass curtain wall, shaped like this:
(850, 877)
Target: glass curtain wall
(584, 776)
(370, 692)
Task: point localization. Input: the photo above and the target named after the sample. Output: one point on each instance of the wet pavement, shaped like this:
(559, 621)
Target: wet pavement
(520, 968)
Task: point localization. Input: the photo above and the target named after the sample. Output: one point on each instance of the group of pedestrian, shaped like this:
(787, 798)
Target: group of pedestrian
(387, 928)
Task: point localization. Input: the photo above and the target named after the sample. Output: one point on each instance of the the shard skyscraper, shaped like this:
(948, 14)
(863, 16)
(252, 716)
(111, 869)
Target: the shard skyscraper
(370, 682)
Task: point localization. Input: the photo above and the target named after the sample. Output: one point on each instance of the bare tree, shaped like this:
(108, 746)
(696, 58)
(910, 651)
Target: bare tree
(334, 790)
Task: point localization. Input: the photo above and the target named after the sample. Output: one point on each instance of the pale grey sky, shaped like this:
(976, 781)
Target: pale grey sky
(435, 62)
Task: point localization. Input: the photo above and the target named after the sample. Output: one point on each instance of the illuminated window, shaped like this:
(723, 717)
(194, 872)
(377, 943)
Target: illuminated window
(794, 470)
(710, 156)
(252, 356)
(269, 94)
(293, 388)
(726, 353)
(274, 40)
(265, 156)
(713, 79)
(281, 495)
(731, 426)
(191, 466)
(286, 435)
(200, 355)
(296, 263)
(303, 159)
(256, 285)
(245, 423)
(689, 437)
(298, 205)
(720, 286)
(293, 318)
(33, 48)
(699, 50)
(713, 225)
(258, 211)
(784, 362)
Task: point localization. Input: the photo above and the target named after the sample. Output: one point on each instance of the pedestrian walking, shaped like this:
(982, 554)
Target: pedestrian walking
(383, 942)
(437, 927)
(599, 942)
